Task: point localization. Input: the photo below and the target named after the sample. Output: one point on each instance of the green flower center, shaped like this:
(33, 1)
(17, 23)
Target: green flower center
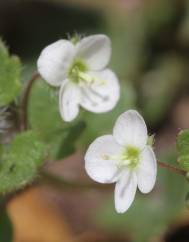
(129, 158)
(77, 71)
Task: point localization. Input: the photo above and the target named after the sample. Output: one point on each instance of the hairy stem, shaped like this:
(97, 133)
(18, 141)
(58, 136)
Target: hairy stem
(25, 100)
(172, 168)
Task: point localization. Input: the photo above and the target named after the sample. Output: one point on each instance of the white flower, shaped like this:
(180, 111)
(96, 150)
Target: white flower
(80, 71)
(124, 158)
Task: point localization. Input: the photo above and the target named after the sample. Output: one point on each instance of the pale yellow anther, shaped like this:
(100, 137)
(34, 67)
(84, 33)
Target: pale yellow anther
(128, 158)
(105, 157)
(103, 82)
(86, 77)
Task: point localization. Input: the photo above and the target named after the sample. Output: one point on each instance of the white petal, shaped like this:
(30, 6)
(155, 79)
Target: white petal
(103, 95)
(95, 50)
(125, 191)
(130, 129)
(54, 61)
(69, 98)
(98, 164)
(147, 170)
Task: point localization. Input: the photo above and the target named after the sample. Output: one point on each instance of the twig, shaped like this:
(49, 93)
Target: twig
(24, 102)
(172, 168)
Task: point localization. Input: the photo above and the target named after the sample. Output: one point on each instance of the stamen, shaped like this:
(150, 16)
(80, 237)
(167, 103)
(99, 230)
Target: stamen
(78, 74)
(105, 157)
(128, 158)
(77, 67)
(86, 77)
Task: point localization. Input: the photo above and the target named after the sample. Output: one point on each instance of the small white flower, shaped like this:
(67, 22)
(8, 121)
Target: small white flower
(124, 158)
(80, 71)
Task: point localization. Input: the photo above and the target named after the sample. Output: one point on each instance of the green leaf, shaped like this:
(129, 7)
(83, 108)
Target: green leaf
(10, 69)
(44, 116)
(59, 136)
(187, 200)
(6, 229)
(1, 151)
(67, 146)
(183, 149)
(20, 164)
(166, 77)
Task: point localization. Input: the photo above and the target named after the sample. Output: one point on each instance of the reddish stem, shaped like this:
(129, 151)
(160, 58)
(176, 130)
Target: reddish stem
(24, 102)
(172, 168)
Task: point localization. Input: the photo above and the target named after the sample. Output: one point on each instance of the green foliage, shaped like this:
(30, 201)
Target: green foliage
(160, 86)
(6, 229)
(187, 200)
(60, 137)
(1, 151)
(146, 213)
(43, 110)
(20, 163)
(71, 135)
(183, 149)
(44, 116)
(10, 70)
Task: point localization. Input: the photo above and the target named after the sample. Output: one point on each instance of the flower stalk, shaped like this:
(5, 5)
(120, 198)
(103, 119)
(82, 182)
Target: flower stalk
(172, 168)
(24, 102)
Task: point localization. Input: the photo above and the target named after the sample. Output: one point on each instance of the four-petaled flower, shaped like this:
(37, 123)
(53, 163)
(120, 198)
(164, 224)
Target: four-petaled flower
(124, 158)
(79, 70)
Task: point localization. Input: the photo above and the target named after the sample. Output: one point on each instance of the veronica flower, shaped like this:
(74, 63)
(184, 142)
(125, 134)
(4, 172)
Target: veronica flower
(124, 158)
(80, 72)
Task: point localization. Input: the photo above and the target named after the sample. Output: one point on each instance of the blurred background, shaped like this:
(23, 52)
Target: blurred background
(150, 41)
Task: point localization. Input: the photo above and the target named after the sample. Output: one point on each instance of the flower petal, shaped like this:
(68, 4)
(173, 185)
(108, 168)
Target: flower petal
(54, 61)
(147, 170)
(69, 98)
(125, 191)
(95, 50)
(103, 94)
(130, 129)
(98, 163)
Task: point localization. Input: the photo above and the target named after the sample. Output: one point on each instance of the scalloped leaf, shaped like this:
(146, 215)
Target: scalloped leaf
(10, 70)
(183, 149)
(20, 164)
